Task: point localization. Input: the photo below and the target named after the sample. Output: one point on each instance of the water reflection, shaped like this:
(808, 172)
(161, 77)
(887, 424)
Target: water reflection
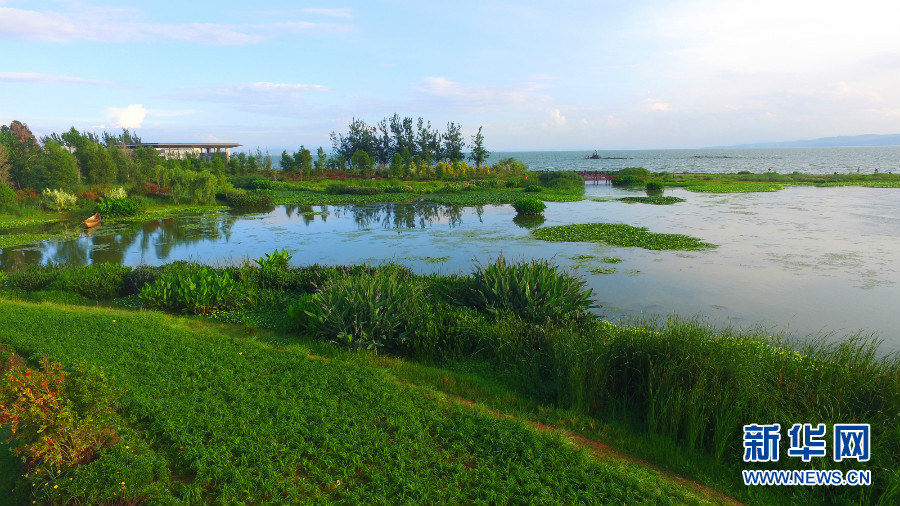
(404, 215)
(200, 236)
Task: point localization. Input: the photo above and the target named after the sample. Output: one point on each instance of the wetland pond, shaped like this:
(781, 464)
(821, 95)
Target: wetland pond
(803, 260)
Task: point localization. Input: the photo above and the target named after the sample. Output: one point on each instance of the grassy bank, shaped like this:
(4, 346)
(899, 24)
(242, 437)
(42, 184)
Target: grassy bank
(227, 418)
(273, 409)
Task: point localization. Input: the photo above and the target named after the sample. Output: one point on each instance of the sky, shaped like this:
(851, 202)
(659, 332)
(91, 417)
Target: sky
(535, 75)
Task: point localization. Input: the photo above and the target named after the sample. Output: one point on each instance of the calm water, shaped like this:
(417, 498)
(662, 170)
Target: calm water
(782, 160)
(802, 260)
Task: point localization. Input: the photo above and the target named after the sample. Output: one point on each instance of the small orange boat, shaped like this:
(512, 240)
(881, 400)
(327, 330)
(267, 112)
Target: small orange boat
(93, 221)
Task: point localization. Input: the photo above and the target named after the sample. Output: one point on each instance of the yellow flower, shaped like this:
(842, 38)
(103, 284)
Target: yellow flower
(55, 486)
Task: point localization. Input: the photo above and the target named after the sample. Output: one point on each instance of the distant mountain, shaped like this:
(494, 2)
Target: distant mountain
(829, 142)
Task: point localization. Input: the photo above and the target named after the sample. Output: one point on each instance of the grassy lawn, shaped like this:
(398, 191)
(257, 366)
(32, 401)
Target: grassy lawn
(224, 416)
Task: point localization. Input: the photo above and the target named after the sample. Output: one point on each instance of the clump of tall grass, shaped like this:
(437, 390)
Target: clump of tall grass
(698, 386)
(535, 291)
(363, 312)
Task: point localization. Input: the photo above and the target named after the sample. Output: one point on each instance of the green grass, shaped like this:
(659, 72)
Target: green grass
(619, 235)
(242, 421)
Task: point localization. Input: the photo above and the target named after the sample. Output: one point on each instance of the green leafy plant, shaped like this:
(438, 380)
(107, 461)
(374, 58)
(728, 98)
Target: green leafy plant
(363, 312)
(534, 291)
(273, 269)
(114, 207)
(198, 289)
(529, 205)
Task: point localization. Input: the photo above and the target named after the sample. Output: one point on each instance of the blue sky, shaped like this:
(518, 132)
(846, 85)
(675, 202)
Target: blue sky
(536, 75)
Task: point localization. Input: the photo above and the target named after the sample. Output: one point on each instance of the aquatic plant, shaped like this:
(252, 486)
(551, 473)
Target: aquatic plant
(654, 187)
(653, 199)
(564, 180)
(529, 205)
(193, 288)
(618, 234)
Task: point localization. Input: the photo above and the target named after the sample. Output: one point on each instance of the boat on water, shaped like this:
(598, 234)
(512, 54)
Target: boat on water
(596, 156)
(93, 221)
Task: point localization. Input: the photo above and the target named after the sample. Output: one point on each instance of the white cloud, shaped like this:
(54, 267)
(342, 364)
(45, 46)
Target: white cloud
(557, 117)
(33, 77)
(125, 25)
(130, 117)
(655, 104)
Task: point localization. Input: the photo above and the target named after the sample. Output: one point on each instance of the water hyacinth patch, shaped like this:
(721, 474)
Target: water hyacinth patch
(618, 234)
(658, 200)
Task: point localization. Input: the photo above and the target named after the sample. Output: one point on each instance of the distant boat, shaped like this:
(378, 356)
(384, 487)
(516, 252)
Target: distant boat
(596, 156)
(93, 221)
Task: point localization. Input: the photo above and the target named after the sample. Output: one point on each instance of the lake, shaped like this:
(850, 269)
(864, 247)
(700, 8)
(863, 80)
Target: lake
(783, 160)
(802, 260)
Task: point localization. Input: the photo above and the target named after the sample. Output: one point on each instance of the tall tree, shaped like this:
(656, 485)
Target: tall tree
(303, 161)
(479, 155)
(57, 168)
(453, 144)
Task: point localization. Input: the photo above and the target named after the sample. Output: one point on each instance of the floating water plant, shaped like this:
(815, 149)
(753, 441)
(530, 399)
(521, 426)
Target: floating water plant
(618, 234)
(658, 200)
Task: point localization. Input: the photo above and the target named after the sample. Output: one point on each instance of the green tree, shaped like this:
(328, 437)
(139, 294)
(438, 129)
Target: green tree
(304, 161)
(288, 164)
(362, 163)
(453, 143)
(22, 152)
(479, 155)
(397, 165)
(321, 161)
(57, 168)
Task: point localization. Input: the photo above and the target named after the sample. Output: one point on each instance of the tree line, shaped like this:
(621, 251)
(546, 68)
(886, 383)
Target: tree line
(413, 142)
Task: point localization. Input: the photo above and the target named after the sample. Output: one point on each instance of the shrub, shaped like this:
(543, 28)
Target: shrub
(534, 291)
(262, 184)
(655, 186)
(529, 205)
(116, 207)
(134, 280)
(628, 180)
(363, 312)
(59, 420)
(563, 180)
(33, 278)
(7, 196)
(635, 171)
(100, 281)
(117, 193)
(57, 199)
(188, 287)
(254, 198)
(534, 188)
